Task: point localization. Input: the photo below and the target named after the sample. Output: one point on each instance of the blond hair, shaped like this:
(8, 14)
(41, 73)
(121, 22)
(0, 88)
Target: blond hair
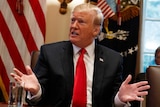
(98, 20)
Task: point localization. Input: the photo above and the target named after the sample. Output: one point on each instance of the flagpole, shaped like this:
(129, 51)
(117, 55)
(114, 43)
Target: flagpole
(118, 12)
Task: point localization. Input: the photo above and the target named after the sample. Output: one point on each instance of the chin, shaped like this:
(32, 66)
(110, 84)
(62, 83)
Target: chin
(74, 41)
(73, 38)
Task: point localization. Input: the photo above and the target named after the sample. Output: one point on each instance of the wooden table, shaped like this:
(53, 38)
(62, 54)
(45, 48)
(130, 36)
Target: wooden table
(3, 104)
(6, 105)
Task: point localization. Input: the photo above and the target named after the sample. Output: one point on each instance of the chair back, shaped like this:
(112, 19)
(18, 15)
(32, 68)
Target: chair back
(153, 77)
(34, 58)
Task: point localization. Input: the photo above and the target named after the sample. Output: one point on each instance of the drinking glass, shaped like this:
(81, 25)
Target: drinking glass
(16, 93)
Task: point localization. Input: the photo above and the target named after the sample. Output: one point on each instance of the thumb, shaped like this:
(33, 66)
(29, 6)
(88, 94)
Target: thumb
(128, 79)
(29, 70)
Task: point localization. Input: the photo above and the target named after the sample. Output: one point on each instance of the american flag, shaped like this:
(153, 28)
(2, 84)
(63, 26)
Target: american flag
(108, 7)
(22, 30)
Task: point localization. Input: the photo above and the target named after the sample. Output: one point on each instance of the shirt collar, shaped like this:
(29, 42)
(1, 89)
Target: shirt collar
(90, 49)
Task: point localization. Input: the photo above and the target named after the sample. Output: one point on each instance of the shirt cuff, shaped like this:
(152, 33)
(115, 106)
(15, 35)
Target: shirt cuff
(119, 103)
(36, 97)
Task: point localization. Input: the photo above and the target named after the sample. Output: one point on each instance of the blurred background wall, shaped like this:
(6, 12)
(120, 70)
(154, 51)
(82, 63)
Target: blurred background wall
(57, 24)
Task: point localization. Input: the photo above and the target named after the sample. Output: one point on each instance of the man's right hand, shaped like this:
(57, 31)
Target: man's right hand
(29, 81)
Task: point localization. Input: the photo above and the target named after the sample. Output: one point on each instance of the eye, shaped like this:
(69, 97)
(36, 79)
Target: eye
(73, 20)
(80, 21)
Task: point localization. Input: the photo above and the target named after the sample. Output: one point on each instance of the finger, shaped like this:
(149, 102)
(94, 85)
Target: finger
(29, 70)
(142, 88)
(12, 74)
(143, 93)
(16, 77)
(19, 73)
(139, 98)
(128, 79)
(141, 83)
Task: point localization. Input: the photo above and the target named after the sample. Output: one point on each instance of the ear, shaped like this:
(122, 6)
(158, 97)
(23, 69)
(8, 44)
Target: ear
(97, 30)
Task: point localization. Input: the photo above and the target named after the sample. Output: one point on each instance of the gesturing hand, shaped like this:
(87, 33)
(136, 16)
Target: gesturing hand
(30, 81)
(130, 92)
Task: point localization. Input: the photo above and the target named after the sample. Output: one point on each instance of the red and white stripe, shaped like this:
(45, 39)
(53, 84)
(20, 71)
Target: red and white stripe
(19, 36)
(106, 9)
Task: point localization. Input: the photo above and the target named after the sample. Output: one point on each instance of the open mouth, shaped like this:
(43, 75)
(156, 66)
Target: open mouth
(73, 33)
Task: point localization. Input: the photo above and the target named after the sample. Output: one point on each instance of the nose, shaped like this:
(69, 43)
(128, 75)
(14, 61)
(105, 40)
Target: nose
(74, 24)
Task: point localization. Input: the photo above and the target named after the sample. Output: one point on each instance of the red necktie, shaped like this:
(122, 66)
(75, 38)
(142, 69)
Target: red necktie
(80, 90)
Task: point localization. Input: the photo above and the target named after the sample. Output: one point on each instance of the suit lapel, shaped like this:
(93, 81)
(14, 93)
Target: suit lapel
(98, 71)
(68, 67)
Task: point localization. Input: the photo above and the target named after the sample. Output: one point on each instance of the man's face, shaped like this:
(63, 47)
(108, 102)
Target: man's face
(82, 29)
(157, 59)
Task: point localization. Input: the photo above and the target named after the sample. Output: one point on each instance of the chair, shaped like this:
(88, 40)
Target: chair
(2, 99)
(153, 77)
(34, 58)
(141, 77)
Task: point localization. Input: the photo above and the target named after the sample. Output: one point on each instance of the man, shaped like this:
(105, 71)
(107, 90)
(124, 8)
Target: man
(155, 61)
(157, 57)
(53, 81)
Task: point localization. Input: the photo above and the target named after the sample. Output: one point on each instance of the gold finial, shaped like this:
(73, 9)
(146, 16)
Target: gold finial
(63, 6)
(19, 6)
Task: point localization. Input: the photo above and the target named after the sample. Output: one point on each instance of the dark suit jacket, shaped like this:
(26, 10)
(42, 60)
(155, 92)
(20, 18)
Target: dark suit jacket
(55, 72)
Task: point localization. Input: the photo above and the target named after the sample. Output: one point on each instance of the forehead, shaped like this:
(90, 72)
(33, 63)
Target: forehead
(83, 14)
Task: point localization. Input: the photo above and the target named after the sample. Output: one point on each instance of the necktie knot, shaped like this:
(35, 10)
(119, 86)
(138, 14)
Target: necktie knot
(82, 51)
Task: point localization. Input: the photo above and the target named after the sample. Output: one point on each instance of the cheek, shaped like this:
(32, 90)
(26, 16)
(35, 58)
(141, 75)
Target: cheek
(158, 61)
(86, 34)
(87, 31)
